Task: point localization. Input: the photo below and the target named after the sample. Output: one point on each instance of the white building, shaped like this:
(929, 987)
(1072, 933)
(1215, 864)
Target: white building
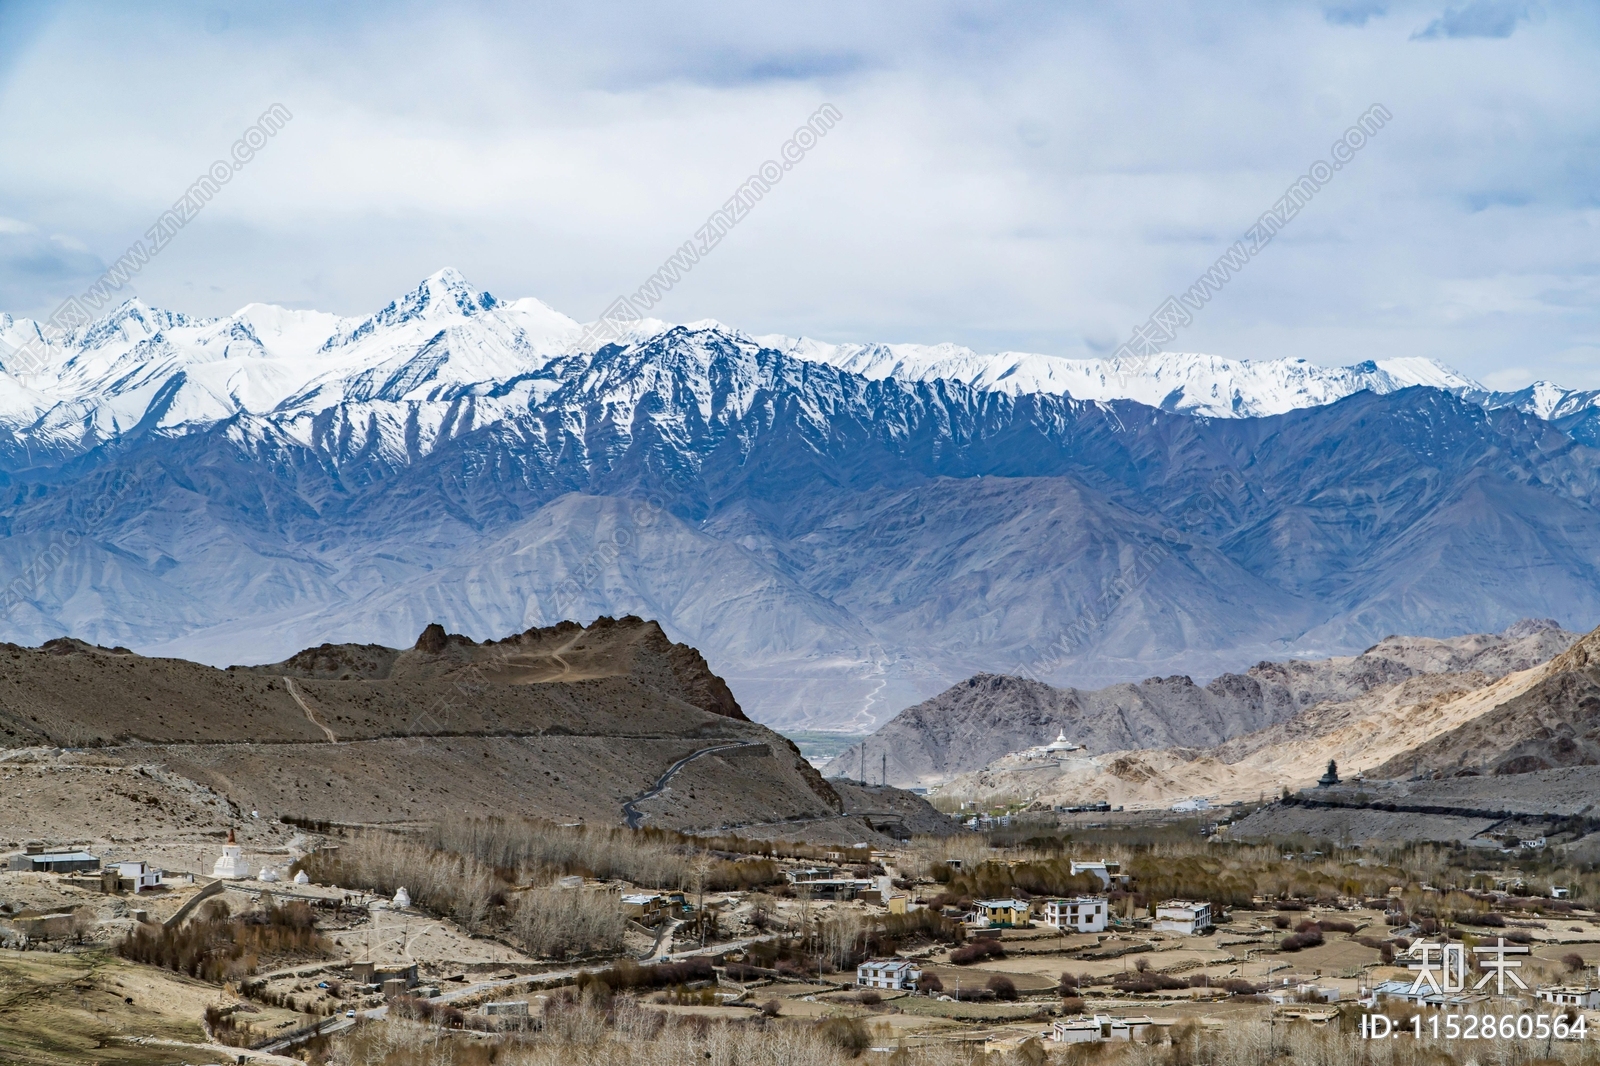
(231, 866)
(1107, 872)
(1101, 1027)
(142, 874)
(894, 974)
(1081, 914)
(1182, 916)
(1571, 996)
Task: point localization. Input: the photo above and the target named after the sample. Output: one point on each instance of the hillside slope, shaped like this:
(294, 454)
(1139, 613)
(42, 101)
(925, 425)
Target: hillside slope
(567, 722)
(977, 722)
(1553, 723)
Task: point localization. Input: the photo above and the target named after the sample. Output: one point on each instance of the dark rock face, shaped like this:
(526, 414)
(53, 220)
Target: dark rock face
(838, 548)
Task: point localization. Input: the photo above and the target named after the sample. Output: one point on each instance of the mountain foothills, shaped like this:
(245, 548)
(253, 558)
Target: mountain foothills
(1509, 706)
(843, 530)
(606, 724)
(987, 717)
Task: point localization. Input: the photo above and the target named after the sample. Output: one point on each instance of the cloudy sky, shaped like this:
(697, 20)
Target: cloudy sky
(1028, 177)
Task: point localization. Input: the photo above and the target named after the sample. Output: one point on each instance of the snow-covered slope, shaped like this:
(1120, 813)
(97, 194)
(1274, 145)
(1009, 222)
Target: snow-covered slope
(1176, 381)
(446, 358)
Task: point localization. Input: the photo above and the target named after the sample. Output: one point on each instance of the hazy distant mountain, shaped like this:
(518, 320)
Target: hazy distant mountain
(839, 544)
(972, 724)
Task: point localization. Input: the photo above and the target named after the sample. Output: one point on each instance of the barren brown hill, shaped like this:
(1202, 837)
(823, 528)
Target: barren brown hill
(972, 725)
(1378, 733)
(569, 722)
(1553, 723)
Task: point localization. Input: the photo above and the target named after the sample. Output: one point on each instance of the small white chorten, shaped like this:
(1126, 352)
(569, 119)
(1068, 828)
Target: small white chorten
(231, 866)
(402, 898)
(267, 874)
(301, 878)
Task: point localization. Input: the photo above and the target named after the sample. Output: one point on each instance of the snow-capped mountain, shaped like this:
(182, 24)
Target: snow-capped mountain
(446, 358)
(842, 532)
(1193, 383)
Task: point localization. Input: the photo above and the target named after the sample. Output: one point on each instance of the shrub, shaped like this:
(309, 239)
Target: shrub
(847, 1034)
(869, 998)
(1573, 962)
(1147, 982)
(771, 1008)
(1069, 983)
(1280, 921)
(929, 982)
(221, 948)
(1002, 986)
(1336, 925)
(977, 950)
(1309, 936)
(1072, 1005)
(1141, 965)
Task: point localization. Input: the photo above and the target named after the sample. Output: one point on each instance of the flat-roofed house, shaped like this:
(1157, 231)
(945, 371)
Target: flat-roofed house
(1578, 996)
(1002, 912)
(55, 862)
(1182, 916)
(894, 974)
(137, 876)
(1081, 914)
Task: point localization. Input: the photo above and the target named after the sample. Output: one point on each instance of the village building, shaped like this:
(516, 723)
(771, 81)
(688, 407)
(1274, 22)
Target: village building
(1571, 996)
(643, 907)
(1081, 914)
(1107, 872)
(895, 974)
(1000, 913)
(132, 877)
(1102, 1027)
(1426, 997)
(371, 973)
(1182, 916)
(41, 861)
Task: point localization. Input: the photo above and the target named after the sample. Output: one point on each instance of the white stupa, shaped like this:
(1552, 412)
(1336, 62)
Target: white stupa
(231, 866)
(301, 878)
(402, 898)
(1060, 743)
(267, 874)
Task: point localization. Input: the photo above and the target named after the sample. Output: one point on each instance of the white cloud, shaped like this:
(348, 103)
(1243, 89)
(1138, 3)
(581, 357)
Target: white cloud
(1039, 179)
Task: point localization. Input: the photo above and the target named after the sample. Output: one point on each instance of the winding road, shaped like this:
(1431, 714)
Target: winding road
(630, 810)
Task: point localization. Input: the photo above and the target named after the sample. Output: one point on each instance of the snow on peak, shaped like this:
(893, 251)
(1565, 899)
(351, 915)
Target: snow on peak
(1192, 382)
(445, 342)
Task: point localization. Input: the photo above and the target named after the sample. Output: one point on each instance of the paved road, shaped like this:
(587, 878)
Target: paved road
(630, 810)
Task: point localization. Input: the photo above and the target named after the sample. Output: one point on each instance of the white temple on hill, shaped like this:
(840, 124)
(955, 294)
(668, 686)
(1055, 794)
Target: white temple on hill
(231, 866)
(1056, 748)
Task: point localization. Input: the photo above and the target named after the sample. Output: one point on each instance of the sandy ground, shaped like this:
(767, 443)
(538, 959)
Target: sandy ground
(92, 1007)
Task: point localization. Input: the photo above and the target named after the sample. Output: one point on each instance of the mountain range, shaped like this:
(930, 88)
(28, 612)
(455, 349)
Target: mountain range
(843, 530)
(979, 723)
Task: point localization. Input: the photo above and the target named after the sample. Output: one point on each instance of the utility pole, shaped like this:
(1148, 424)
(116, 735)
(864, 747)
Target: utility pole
(883, 772)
